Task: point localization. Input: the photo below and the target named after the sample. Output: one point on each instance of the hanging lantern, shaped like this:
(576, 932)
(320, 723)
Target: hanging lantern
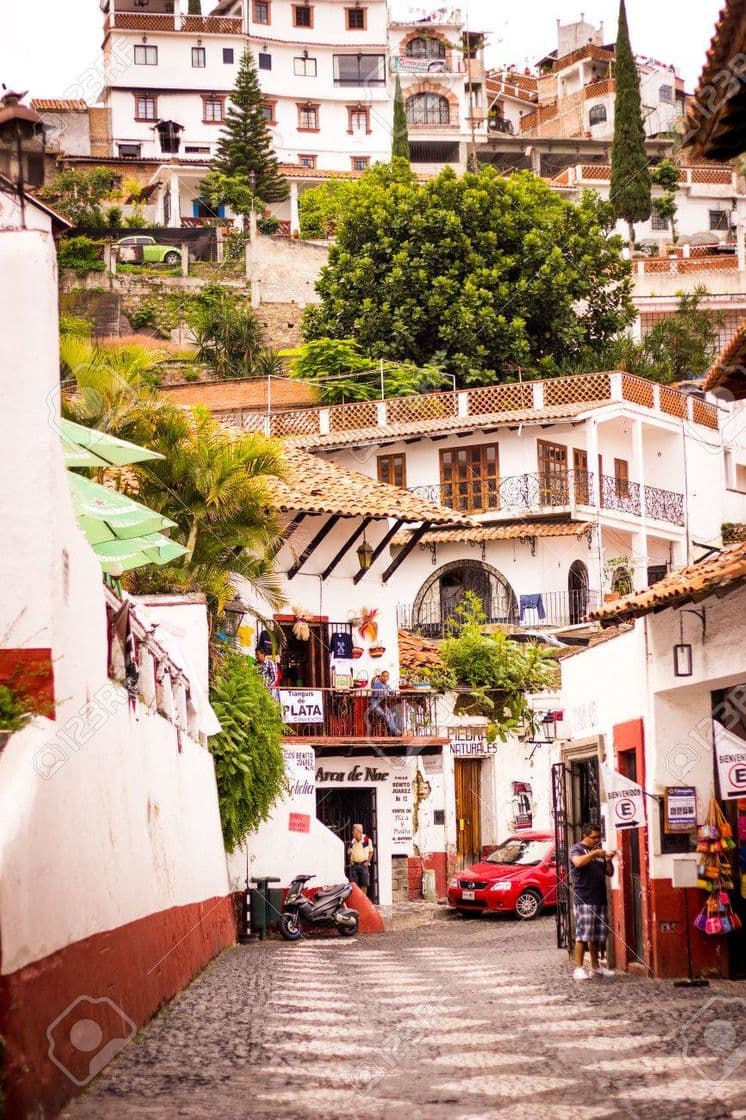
(682, 654)
(364, 554)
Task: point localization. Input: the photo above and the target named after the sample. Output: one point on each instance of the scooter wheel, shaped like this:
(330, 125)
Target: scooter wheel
(348, 931)
(290, 927)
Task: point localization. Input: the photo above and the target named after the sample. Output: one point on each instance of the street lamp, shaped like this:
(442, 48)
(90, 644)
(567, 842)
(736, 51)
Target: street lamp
(20, 128)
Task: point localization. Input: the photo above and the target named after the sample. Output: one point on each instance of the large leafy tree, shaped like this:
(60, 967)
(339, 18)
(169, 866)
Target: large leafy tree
(79, 194)
(490, 274)
(630, 174)
(245, 150)
(400, 132)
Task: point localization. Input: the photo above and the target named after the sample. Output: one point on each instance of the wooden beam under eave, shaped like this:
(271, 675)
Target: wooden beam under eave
(413, 541)
(379, 549)
(346, 547)
(311, 547)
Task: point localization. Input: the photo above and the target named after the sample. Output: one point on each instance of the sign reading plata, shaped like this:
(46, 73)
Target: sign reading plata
(681, 809)
(302, 705)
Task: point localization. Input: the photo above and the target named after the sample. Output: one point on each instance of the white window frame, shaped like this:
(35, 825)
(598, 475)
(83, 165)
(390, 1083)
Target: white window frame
(146, 53)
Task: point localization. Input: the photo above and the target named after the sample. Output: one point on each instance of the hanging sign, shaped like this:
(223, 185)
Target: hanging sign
(299, 822)
(730, 753)
(470, 742)
(680, 809)
(302, 705)
(626, 801)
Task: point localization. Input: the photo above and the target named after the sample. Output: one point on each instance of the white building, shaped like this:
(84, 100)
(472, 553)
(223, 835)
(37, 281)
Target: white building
(683, 670)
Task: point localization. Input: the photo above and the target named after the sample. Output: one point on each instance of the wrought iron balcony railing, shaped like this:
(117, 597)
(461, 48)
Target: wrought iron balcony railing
(540, 492)
(542, 609)
(358, 713)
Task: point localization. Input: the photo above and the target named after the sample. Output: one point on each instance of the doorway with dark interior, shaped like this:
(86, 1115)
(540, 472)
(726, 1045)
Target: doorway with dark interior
(339, 809)
(577, 592)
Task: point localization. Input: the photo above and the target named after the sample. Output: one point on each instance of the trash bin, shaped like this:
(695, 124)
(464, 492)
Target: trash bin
(265, 904)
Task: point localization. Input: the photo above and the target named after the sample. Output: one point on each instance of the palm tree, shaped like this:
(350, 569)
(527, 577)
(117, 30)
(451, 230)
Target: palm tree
(214, 483)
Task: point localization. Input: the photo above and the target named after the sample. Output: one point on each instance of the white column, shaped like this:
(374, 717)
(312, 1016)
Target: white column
(591, 444)
(294, 216)
(174, 191)
(741, 246)
(640, 560)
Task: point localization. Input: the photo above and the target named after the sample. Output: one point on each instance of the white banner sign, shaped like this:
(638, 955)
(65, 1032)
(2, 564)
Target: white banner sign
(730, 752)
(626, 801)
(302, 705)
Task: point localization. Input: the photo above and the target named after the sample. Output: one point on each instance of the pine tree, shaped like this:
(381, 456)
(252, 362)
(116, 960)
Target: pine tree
(245, 145)
(400, 140)
(630, 177)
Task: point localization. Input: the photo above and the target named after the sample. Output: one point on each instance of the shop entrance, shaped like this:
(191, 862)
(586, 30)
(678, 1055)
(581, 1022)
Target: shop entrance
(304, 663)
(468, 781)
(728, 709)
(576, 799)
(339, 809)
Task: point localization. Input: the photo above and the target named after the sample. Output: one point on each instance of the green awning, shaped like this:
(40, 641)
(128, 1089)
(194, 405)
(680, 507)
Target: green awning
(105, 515)
(75, 455)
(111, 451)
(122, 556)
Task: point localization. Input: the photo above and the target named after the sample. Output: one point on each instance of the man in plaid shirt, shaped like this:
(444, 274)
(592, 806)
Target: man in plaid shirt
(590, 866)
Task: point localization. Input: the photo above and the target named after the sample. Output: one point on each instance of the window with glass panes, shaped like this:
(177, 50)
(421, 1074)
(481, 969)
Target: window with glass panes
(425, 47)
(212, 109)
(308, 118)
(356, 20)
(719, 219)
(261, 11)
(621, 478)
(470, 478)
(428, 109)
(393, 470)
(359, 69)
(145, 108)
(199, 57)
(359, 119)
(146, 56)
(360, 163)
(302, 15)
(304, 67)
(553, 476)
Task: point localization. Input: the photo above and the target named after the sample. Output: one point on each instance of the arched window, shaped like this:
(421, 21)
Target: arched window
(577, 592)
(423, 47)
(428, 109)
(443, 593)
(597, 114)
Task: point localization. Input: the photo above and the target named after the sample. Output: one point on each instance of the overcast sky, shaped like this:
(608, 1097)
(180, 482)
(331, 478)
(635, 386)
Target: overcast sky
(51, 47)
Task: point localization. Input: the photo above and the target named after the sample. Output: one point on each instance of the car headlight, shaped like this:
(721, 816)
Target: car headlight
(501, 885)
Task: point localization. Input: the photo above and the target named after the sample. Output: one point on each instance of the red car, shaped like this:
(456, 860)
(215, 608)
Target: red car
(520, 876)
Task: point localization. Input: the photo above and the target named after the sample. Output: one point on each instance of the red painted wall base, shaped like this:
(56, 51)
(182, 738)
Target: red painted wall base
(69, 1009)
(434, 861)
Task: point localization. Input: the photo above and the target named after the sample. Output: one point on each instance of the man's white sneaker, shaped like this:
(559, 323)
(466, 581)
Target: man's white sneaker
(581, 974)
(600, 972)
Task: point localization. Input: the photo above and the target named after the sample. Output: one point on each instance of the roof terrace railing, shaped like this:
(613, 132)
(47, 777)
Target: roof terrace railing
(488, 400)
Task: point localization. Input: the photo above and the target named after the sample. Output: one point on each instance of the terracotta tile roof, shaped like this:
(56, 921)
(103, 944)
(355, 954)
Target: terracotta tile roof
(590, 50)
(416, 654)
(717, 113)
(434, 426)
(58, 105)
(313, 485)
(717, 575)
(729, 370)
(505, 531)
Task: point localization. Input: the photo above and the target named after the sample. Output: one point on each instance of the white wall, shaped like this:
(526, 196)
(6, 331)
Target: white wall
(102, 820)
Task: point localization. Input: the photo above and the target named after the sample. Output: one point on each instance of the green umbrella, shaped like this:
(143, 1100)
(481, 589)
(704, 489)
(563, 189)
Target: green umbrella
(77, 456)
(106, 515)
(122, 556)
(114, 452)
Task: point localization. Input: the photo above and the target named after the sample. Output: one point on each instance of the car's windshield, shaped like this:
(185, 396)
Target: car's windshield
(521, 852)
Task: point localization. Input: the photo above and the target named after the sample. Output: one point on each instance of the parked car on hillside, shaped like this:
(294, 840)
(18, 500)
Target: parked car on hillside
(142, 247)
(519, 876)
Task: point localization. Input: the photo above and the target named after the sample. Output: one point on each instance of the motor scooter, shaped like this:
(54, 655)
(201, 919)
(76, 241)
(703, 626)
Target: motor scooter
(326, 909)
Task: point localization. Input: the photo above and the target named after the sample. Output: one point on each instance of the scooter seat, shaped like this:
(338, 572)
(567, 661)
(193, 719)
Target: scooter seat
(329, 891)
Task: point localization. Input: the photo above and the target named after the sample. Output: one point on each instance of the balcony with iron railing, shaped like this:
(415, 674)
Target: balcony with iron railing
(365, 714)
(540, 609)
(558, 491)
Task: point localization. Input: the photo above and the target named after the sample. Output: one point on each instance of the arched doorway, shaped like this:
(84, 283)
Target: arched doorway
(577, 592)
(443, 593)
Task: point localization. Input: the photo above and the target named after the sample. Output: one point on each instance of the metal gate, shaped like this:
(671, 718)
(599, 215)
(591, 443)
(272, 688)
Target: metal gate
(576, 800)
(562, 856)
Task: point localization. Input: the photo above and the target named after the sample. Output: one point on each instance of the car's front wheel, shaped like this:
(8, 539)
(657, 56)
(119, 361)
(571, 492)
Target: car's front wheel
(528, 905)
(172, 258)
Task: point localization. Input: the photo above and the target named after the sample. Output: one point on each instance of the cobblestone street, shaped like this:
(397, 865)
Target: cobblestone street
(454, 1019)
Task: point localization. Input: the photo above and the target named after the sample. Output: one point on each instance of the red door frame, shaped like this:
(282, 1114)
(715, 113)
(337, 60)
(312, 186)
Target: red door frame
(629, 739)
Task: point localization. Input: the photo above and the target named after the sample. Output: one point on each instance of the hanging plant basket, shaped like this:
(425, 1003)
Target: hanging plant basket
(377, 651)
